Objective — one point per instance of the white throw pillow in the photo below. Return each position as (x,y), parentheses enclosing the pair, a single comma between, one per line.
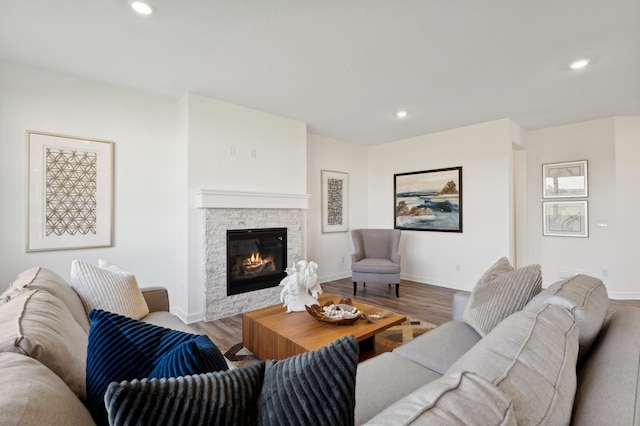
(105,264)
(109,289)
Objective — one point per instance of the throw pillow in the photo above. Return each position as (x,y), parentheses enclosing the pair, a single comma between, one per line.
(500,292)
(219,398)
(104,289)
(313,388)
(105,264)
(121,348)
(316,387)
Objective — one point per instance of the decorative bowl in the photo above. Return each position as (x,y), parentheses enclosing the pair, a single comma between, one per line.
(318,312)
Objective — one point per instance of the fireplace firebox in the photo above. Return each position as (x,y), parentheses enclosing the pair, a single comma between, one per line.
(256,259)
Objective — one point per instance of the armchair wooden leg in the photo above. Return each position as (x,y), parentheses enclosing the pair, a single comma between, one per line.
(355,288)
(397,290)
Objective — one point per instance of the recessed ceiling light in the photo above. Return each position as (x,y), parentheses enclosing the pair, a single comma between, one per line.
(401,114)
(579,64)
(141,7)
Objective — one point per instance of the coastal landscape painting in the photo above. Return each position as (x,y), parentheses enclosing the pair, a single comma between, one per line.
(429,200)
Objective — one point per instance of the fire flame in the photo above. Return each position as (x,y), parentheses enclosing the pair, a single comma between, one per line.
(257,264)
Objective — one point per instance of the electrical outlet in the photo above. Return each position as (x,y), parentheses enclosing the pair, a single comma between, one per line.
(457,267)
(342,259)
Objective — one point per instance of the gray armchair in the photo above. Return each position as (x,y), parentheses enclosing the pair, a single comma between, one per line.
(376,257)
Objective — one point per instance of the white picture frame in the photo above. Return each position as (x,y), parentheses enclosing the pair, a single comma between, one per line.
(69,192)
(335,201)
(565,218)
(565,180)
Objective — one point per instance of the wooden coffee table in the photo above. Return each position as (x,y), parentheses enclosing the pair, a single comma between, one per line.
(272,333)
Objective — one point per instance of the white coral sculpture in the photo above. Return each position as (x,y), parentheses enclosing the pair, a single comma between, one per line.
(301,286)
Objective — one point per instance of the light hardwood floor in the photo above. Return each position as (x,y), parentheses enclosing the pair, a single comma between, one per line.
(419,301)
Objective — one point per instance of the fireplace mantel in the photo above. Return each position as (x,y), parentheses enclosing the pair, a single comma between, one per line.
(216,199)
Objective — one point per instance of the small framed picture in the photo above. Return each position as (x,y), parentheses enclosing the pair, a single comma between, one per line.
(564,180)
(335,201)
(565,218)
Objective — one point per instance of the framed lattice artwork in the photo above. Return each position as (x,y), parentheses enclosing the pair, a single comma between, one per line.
(69,192)
(335,204)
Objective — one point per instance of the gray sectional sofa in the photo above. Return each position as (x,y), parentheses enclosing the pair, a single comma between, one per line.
(557,361)
(43,346)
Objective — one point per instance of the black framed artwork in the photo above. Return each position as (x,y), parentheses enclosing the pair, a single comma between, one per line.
(429,200)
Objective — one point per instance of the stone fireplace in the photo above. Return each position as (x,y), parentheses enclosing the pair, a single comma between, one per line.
(225,211)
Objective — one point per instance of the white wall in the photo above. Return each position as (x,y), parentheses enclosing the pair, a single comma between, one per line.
(626,234)
(165,149)
(611,147)
(231,147)
(143,129)
(592,141)
(332,251)
(451,259)
(280,145)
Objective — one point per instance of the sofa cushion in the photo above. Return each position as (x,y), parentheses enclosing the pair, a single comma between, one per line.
(121,348)
(39,325)
(38,278)
(500,292)
(384,379)
(531,356)
(608,380)
(104,289)
(585,297)
(462,398)
(32,394)
(219,398)
(312,388)
(440,347)
(375,266)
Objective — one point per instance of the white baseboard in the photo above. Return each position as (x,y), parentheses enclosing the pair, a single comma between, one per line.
(427,280)
(187,319)
(335,277)
(620,295)
(624,295)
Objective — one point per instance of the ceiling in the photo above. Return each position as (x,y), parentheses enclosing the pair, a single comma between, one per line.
(345,67)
